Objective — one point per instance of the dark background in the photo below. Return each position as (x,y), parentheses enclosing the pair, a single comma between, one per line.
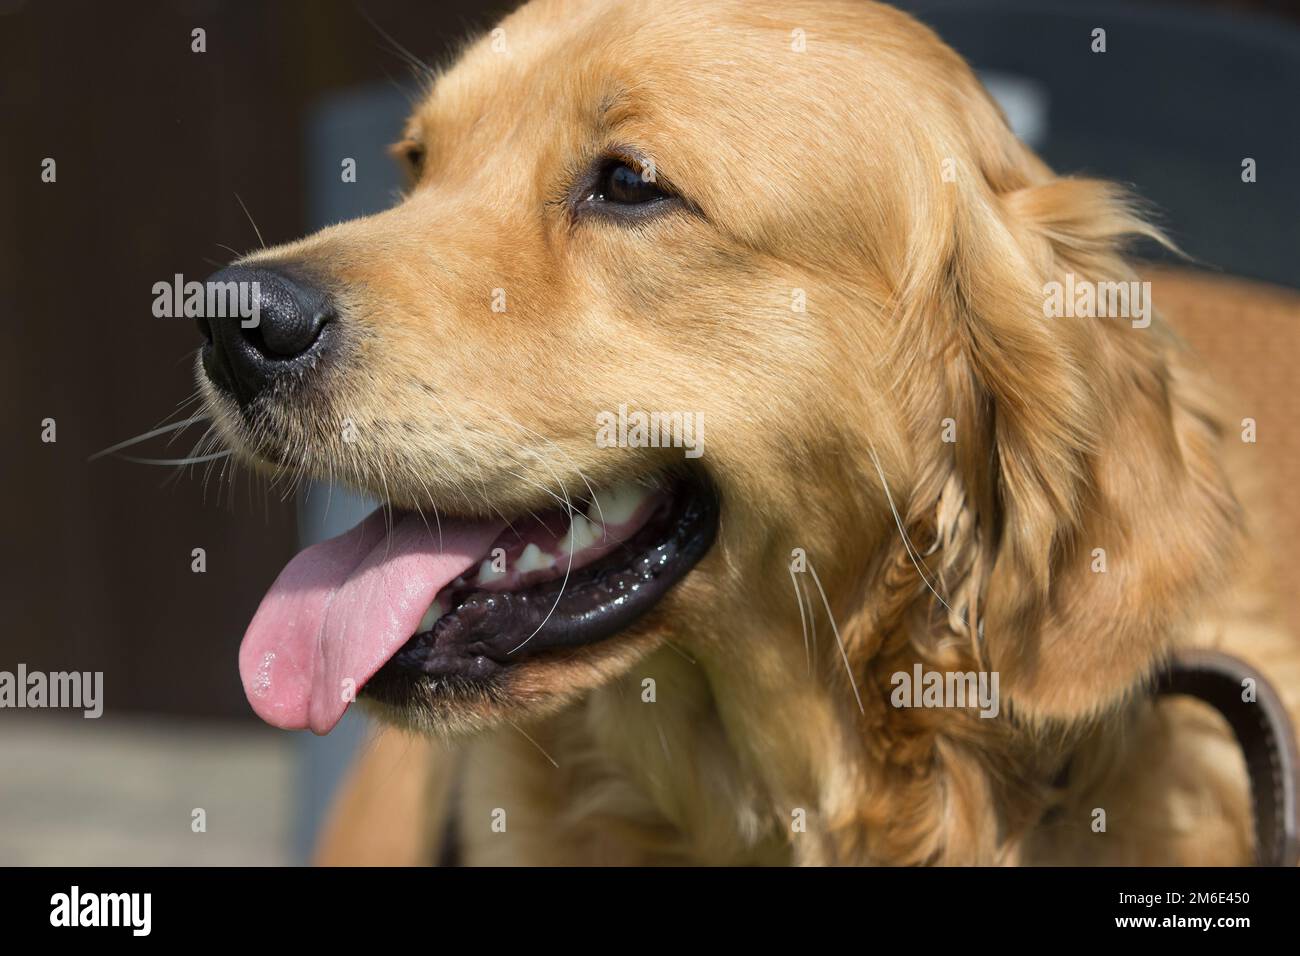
(153,142)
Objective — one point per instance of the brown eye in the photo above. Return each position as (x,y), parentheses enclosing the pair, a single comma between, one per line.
(411,155)
(618,188)
(414,155)
(620,183)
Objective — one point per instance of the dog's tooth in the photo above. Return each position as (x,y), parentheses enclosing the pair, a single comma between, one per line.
(580,535)
(430,617)
(487,574)
(533,558)
(617,504)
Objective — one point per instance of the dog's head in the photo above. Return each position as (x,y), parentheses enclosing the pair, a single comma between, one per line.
(700,320)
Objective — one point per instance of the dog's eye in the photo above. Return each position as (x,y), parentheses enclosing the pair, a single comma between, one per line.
(414,156)
(411,155)
(623,189)
(621,183)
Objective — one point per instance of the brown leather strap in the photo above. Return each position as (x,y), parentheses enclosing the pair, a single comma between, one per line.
(1264,732)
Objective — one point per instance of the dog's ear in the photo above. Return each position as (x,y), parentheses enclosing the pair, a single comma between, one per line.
(1077,499)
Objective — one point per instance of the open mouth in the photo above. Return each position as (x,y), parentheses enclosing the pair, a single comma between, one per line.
(386,607)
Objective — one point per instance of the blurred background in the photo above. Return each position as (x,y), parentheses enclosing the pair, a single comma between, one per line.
(165,160)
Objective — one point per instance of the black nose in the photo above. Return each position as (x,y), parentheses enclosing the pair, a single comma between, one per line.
(270,325)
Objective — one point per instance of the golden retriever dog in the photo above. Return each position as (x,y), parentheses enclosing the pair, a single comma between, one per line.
(708,375)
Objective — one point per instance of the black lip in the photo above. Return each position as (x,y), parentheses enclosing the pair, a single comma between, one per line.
(489,630)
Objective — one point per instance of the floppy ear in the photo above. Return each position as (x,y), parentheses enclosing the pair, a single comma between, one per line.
(1080,515)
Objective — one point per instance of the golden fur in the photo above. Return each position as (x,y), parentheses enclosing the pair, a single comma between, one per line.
(819,170)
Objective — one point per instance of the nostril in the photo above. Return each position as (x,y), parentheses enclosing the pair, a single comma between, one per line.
(291,316)
(287,334)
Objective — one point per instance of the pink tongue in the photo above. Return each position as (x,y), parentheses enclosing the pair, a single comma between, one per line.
(342,608)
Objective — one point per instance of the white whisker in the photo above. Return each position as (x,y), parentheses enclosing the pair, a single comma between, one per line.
(907,543)
(147,435)
(534,743)
(260,240)
(803,620)
(835,628)
(177,461)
